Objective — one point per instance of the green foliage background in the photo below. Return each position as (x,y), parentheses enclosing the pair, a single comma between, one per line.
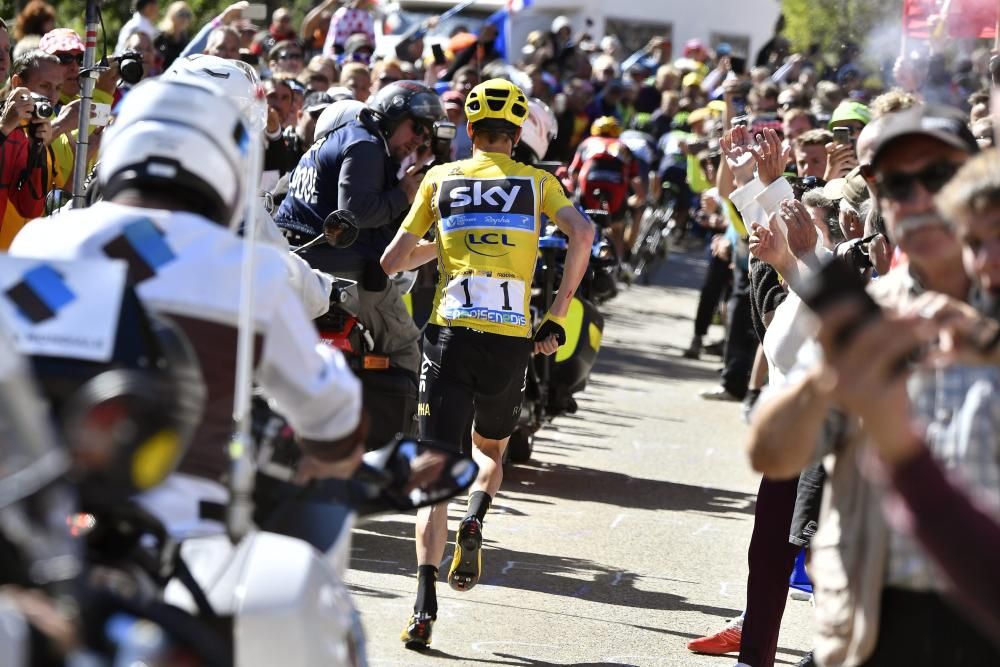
(830,23)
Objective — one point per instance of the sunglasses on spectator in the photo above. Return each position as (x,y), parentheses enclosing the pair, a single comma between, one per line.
(290,55)
(899,186)
(185,14)
(67,58)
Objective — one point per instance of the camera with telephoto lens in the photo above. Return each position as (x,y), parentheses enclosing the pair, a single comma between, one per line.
(855,253)
(130,66)
(43,107)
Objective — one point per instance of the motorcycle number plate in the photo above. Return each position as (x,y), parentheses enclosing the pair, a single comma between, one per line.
(497,298)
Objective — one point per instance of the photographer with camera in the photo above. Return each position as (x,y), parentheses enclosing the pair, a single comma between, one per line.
(355,167)
(26,169)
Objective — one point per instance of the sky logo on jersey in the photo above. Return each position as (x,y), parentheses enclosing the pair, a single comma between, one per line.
(487,203)
(41,294)
(142,246)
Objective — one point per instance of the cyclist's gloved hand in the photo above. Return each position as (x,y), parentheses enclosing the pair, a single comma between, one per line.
(552,325)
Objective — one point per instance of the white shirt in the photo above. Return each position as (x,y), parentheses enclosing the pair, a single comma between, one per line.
(138,23)
(306,381)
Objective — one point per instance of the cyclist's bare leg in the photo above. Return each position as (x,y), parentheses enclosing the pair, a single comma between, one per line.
(432,534)
(488,455)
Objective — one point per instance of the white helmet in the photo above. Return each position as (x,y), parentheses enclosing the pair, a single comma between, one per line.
(182,137)
(237,80)
(539,127)
(336,115)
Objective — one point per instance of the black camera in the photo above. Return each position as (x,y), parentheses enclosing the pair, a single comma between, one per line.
(130,66)
(43,107)
(855,253)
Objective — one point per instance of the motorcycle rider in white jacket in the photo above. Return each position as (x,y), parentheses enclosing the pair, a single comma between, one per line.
(171,171)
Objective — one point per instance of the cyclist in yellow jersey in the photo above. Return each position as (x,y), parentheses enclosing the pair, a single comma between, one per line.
(487,215)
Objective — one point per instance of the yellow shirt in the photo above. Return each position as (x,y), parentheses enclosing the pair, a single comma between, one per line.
(487,213)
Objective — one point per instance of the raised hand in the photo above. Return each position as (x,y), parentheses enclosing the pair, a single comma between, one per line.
(802,233)
(735,146)
(771,156)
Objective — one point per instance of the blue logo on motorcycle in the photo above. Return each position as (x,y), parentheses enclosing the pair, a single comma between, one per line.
(41,294)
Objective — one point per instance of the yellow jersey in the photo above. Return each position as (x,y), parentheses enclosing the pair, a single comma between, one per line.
(487,211)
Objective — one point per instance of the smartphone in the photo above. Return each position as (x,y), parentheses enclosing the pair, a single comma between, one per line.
(836,283)
(738,65)
(439,57)
(100,114)
(255,12)
(842,136)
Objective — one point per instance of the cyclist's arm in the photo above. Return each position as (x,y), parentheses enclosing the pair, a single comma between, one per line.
(580,232)
(407,252)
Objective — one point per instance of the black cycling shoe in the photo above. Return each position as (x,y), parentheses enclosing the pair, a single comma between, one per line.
(416,636)
(467,563)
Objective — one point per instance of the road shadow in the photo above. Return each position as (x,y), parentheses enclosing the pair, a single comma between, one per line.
(635,361)
(558,480)
(386,547)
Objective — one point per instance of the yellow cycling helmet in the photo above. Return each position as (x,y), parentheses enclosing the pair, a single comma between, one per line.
(496,99)
(605,126)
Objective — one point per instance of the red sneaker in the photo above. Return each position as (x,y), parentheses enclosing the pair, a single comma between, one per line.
(726,641)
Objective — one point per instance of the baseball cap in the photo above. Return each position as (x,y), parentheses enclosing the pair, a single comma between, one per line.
(693,45)
(560,22)
(453,99)
(850,110)
(60,40)
(855,188)
(316,101)
(692,79)
(945,124)
(356,42)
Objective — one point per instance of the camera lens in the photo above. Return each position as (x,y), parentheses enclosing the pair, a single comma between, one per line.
(43,109)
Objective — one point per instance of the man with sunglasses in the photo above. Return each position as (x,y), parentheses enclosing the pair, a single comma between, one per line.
(286,57)
(892,594)
(355,166)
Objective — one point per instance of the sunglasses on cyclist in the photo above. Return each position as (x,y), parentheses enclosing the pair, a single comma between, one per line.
(899,186)
(67,58)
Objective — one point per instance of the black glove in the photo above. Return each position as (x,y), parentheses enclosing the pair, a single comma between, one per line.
(551,326)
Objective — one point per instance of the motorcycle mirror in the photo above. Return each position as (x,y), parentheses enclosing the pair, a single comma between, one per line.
(55,200)
(413,473)
(341,228)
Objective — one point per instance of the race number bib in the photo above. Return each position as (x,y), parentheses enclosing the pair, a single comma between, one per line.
(490,297)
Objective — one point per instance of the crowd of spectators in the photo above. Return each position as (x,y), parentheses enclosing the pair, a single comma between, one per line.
(777,161)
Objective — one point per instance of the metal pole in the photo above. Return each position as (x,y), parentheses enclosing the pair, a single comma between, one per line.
(87,81)
(239,520)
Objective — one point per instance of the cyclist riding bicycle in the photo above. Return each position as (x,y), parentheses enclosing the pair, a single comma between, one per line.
(486,212)
(602,174)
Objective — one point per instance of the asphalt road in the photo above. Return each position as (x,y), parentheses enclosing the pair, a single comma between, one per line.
(623,538)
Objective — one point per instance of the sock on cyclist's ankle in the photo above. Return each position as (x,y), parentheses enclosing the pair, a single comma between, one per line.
(479,504)
(426,595)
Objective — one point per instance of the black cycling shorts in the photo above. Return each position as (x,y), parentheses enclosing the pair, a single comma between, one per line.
(467,373)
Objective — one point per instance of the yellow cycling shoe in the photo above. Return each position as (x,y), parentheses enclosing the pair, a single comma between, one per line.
(416,636)
(467,563)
